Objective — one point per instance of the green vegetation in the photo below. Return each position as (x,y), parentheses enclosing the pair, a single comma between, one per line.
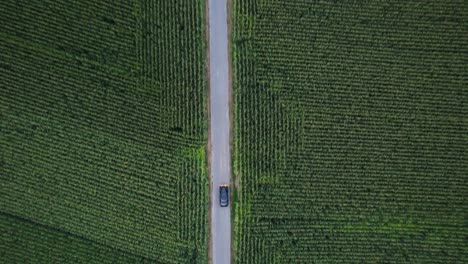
(103,132)
(351,131)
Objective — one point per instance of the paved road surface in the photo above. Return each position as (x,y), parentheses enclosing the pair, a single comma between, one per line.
(220,154)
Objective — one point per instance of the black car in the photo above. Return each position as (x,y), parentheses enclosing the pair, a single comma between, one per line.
(223,195)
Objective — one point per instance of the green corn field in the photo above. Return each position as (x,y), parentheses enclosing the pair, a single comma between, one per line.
(103,132)
(350,131)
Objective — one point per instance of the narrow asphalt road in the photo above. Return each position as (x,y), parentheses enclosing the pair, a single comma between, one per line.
(220,123)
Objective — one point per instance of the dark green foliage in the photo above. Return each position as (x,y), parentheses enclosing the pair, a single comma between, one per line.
(351,131)
(25,241)
(103,131)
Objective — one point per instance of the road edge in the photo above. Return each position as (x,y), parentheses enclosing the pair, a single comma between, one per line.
(208,111)
(229,10)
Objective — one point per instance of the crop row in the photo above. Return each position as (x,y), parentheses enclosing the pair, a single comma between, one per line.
(349,131)
(103,131)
